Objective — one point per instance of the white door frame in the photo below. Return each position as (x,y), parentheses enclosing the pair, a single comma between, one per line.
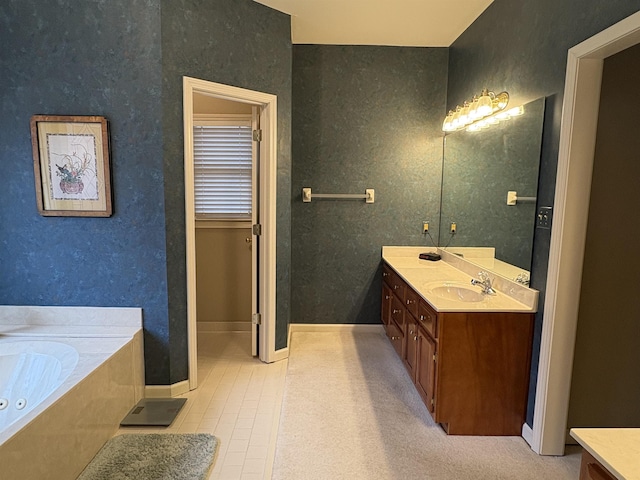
(267,244)
(568,235)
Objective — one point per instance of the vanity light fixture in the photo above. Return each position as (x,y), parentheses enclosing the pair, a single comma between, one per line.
(481,112)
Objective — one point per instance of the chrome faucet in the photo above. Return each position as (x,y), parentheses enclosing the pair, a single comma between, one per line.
(484,282)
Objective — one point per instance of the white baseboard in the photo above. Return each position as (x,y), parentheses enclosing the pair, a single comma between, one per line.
(334,327)
(166,391)
(527,434)
(208,327)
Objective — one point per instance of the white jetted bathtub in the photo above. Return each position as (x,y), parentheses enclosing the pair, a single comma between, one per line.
(68,375)
(30,370)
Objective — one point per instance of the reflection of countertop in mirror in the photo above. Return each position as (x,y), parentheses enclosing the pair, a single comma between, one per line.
(485,257)
(617,449)
(423,275)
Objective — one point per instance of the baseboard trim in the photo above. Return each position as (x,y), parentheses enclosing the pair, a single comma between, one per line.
(281,354)
(334,327)
(166,391)
(209,327)
(527,434)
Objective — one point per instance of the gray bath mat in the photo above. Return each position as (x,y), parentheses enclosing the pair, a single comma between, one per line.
(154,456)
(158,412)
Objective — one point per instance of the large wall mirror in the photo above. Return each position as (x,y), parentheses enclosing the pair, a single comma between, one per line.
(479,169)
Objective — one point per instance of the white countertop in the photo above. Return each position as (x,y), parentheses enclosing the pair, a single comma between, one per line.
(421,275)
(617,449)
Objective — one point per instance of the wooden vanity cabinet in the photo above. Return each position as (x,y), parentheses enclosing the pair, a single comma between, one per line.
(426,368)
(393,311)
(470,369)
(592,469)
(387,295)
(411,348)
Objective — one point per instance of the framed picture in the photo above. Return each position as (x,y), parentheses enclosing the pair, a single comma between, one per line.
(71,165)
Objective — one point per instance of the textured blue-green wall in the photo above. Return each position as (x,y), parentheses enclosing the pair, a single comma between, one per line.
(239,43)
(363,117)
(86,58)
(124,60)
(521,46)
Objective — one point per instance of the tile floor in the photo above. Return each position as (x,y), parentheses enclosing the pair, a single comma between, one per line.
(238,400)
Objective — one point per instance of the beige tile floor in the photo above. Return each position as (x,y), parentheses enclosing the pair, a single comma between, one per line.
(238,400)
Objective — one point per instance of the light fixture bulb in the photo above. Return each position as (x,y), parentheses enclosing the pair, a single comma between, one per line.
(473,107)
(484,104)
(464,114)
(455,121)
(446,126)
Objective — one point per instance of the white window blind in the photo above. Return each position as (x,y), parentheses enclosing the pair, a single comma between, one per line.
(222,167)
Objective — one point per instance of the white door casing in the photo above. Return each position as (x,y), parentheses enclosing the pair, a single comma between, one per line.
(266,280)
(568,234)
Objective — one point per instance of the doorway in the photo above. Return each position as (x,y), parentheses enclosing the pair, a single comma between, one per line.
(568,236)
(225,157)
(263,236)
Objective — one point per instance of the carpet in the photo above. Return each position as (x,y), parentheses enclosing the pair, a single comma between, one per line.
(154,456)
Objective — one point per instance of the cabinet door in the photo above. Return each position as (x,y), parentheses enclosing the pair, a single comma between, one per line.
(396,337)
(398,312)
(386,304)
(426,369)
(411,347)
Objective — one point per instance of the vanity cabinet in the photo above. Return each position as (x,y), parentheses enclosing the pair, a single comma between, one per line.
(471,369)
(592,469)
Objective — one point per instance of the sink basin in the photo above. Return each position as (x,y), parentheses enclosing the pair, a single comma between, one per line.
(457,291)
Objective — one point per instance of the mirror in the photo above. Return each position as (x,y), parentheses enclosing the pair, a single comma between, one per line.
(479,169)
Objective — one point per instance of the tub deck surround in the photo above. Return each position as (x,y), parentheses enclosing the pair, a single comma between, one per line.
(617,449)
(421,275)
(65,430)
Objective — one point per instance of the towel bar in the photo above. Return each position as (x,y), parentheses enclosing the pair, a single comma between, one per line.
(368,196)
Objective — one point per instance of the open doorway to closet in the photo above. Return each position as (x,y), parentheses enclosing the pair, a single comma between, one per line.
(217,248)
(225,154)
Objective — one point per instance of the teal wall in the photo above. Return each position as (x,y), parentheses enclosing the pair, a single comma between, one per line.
(363,117)
(521,47)
(124,59)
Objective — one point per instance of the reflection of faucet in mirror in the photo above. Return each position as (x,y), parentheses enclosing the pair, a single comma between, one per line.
(478,169)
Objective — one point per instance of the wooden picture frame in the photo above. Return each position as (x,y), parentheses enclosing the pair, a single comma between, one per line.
(71,165)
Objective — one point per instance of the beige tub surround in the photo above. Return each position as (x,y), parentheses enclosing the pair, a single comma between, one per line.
(64,431)
(616,449)
(424,275)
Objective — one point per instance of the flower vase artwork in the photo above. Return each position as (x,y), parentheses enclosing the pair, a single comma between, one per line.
(75,170)
(71,182)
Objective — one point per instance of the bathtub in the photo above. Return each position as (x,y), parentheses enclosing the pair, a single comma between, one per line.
(29,371)
(64,388)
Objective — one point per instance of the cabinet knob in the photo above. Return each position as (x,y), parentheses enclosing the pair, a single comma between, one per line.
(415,338)
(410,332)
(421,317)
(387,297)
(409,302)
(396,311)
(385,274)
(395,287)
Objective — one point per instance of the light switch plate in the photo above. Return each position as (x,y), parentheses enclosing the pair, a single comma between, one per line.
(544,217)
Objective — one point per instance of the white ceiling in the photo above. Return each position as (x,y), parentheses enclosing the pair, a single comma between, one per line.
(415,23)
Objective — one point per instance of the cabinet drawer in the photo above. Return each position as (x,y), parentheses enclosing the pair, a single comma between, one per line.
(387,296)
(412,301)
(398,286)
(592,469)
(428,319)
(397,338)
(398,312)
(387,274)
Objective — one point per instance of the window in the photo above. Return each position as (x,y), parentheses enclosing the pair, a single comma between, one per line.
(222,151)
